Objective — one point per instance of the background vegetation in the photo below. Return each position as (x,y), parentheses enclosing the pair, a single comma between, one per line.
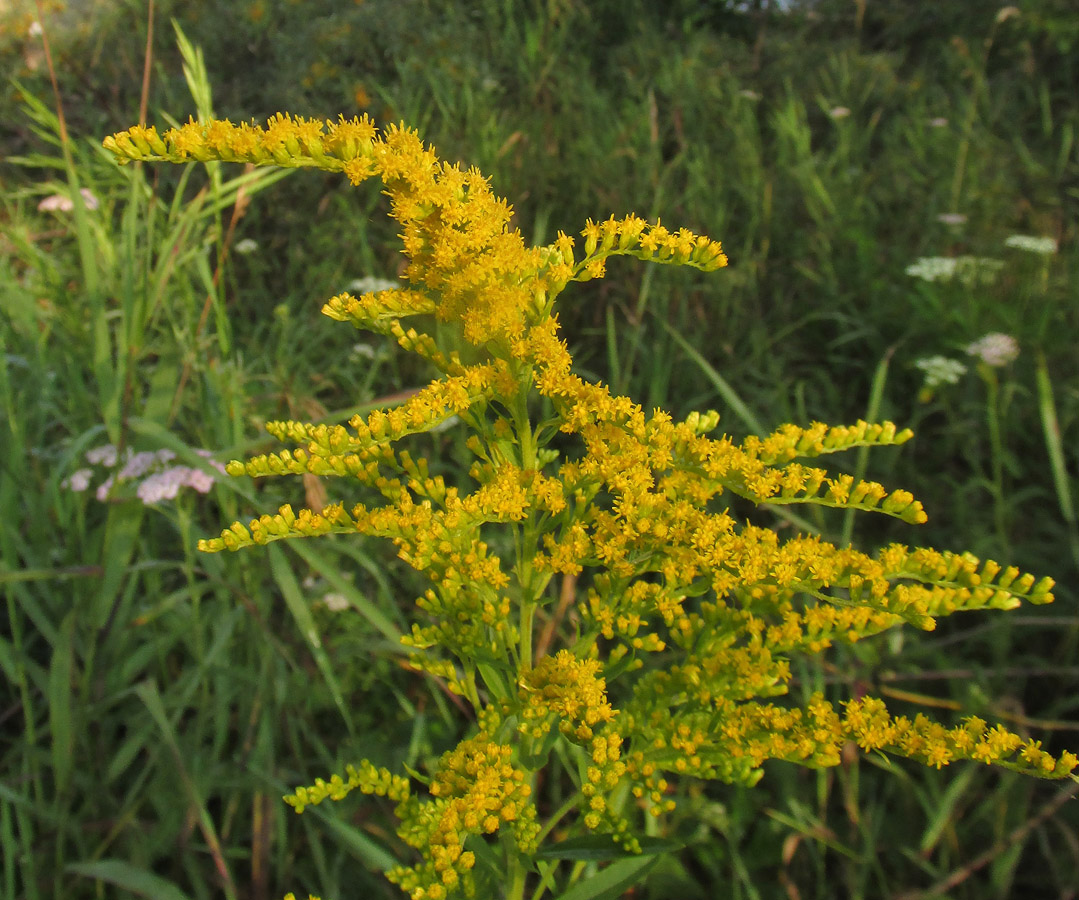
(155,704)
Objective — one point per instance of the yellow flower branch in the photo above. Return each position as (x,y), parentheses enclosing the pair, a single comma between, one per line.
(686,619)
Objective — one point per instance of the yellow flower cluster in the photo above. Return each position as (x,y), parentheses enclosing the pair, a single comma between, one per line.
(728,741)
(687,617)
(456,233)
(868,722)
(571,692)
(365,776)
(566,691)
(477,790)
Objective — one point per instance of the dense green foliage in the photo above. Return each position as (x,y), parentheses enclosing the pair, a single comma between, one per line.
(156,703)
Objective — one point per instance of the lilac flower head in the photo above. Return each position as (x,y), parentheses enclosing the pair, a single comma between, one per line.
(143,462)
(154,479)
(63,203)
(160,486)
(78,481)
(102,456)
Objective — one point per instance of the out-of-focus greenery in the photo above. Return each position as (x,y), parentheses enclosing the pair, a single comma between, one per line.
(155,704)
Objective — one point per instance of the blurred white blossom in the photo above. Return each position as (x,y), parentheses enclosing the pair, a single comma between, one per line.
(370,284)
(940,370)
(335,602)
(839,112)
(245,246)
(364,350)
(445,424)
(952,218)
(938,122)
(995,349)
(1046,246)
(933,268)
(968,270)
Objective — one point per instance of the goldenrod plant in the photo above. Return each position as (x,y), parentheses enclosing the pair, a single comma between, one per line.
(673,660)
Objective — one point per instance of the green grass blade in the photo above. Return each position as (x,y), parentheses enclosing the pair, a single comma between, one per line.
(122,529)
(370,611)
(612,881)
(876,395)
(1055,447)
(10,849)
(128,878)
(944,809)
(147,692)
(370,853)
(60,705)
(301,612)
(730,396)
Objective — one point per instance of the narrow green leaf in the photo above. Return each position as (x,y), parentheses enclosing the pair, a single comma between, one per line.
(60,705)
(129,878)
(198,81)
(600,848)
(944,809)
(49,574)
(722,386)
(122,529)
(614,364)
(370,853)
(301,612)
(147,692)
(370,611)
(876,397)
(10,850)
(1055,448)
(740,409)
(8,665)
(612,881)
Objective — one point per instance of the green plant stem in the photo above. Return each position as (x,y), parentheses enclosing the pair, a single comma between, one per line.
(470,686)
(528,611)
(526,536)
(992,412)
(517,875)
(572,803)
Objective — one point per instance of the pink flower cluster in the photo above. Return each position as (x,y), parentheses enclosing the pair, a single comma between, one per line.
(150,471)
(63,203)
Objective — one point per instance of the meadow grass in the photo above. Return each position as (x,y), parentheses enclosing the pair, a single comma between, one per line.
(157,703)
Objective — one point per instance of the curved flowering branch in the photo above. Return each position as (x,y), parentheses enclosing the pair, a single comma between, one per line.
(686,619)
